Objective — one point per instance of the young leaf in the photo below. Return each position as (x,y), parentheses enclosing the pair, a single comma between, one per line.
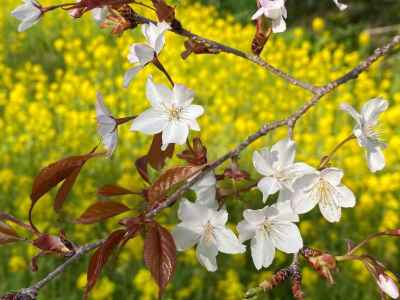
(100,258)
(7,234)
(164,11)
(51,243)
(166,181)
(156,157)
(113,190)
(100,211)
(65,169)
(160,254)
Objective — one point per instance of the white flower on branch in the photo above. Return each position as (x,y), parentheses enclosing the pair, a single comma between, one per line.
(29,13)
(366,131)
(142,54)
(278,167)
(206,190)
(172,113)
(323,188)
(274,10)
(106,126)
(341,6)
(270,228)
(205,227)
(388,286)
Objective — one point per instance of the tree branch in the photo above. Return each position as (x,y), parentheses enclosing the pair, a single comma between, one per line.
(219,47)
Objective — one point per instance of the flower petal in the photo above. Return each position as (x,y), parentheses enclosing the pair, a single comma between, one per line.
(330,210)
(151,121)
(184,237)
(286,237)
(278,25)
(352,112)
(206,253)
(227,242)
(304,202)
(376,159)
(286,150)
(262,250)
(158,94)
(174,133)
(182,95)
(192,112)
(130,74)
(373,108)
(268,186)
(246,230)
(346,197)
(192,212)
(258,13)
(140,53)
(262,161)
(332,175)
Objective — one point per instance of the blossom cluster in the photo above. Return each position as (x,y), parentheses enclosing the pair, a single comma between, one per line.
(300,186)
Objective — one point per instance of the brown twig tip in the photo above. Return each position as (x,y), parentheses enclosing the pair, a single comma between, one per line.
(295,278)
(276,279)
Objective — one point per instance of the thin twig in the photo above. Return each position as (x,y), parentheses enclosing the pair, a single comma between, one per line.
(227,49)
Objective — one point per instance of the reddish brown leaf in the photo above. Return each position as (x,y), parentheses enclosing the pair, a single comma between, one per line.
(51,243)
(8,234)
(65,188)
(113,190)
(164,11)
(100,258)
(141,166)
(156,157)
(261,36)
(65,169)
(192,46)
(160,254)
(100,211)
(166,181)
(7,217)
(196,154)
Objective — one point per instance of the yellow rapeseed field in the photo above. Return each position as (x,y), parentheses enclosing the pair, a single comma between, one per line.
(49,77)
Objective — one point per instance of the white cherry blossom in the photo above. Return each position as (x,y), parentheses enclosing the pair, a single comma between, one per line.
(388,286)
(340,5)
(270,228)
(106,126)
(205,227)
(29,13)
(278,167)
(325,189)
(206,190)
(367,133)
(142,54)
(172,113)
(274,10)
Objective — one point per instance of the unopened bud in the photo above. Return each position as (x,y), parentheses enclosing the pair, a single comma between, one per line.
(388,286)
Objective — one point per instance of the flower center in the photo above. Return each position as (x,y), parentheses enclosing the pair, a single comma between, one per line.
(208,233)
(174,112)
(324,191)
(267,226)
(372,132)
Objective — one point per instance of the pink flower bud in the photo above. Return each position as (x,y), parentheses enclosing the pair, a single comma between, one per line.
(388,286)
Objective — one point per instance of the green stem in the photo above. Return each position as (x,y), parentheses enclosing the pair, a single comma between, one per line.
(326,159)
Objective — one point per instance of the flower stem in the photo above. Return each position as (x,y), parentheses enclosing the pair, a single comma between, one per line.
(326,159)
(159,66)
